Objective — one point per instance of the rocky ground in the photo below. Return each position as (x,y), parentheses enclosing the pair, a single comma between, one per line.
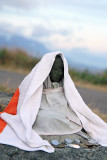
(62,153)
(12,153)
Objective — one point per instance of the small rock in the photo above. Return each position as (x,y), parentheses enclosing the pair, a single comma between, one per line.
(73,146)
(86,149)
(55,142)
(12,152)
(67,140)
(62,145)
(77,141)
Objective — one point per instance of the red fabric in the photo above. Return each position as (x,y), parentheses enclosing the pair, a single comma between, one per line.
(11,109)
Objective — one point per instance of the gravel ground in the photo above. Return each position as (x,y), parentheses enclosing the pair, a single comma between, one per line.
(94,98)
(13,153)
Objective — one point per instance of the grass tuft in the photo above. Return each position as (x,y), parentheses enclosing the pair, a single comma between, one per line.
(17,58)
(6,89)
(2,107)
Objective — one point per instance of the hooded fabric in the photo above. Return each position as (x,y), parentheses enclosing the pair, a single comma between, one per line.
(19,116)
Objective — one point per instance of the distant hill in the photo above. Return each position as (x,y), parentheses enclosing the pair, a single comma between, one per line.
(81,67)
(82,58)
(35,48)
(38,49)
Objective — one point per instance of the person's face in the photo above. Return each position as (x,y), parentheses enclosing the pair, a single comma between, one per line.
(57,71)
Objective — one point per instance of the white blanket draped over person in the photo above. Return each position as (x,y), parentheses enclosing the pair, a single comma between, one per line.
(19,132)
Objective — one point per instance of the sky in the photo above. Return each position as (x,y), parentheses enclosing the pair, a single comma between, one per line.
(64,25)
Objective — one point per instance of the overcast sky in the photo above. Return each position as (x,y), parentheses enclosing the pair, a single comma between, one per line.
(59,24)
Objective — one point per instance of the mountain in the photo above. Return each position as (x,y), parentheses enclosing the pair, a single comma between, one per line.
(34,48)
(78,58)
(82,58)
(82,67)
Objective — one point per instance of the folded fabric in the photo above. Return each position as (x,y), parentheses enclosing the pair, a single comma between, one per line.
(19,116)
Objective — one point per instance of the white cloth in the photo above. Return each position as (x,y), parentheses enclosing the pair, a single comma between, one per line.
(54,116)
(19,130)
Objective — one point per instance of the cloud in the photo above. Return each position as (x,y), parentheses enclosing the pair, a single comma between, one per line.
(18,4)
(43,31)
(22,4)
(6,27)
(30,4)
(54,25)
(9,29)
(52,37)
(86,3)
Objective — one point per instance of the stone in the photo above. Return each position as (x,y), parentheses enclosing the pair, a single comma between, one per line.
(67,140)
(57,71)
(54,142)
(77,141)
(73,146)
(61,145)
(12,152)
